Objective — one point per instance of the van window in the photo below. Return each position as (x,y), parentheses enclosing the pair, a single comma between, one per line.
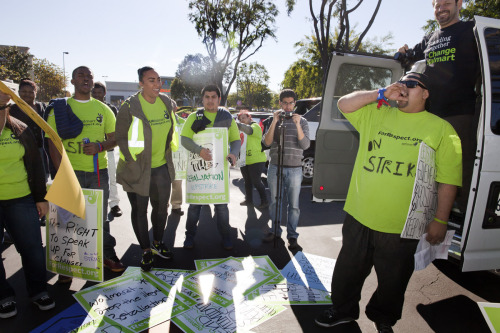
(492,37)
(358,77)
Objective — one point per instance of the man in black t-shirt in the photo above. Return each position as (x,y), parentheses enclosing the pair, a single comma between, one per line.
(452,64)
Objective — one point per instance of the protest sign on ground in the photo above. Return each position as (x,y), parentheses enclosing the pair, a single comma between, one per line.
(135,302)
(74,245)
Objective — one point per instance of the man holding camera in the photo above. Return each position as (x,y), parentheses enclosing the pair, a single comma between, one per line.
(452,61)
(296,140)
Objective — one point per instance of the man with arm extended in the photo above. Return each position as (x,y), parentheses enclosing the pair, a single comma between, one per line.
(380,194)
(452,61)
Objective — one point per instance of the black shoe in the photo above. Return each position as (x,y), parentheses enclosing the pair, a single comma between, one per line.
(147,261)
(246,203)
(161,250)
(177,211)
(227,244)
(116,211)
(383,328)
(114,264)
(45,303)
(292,244)
(8,309)
(330,318)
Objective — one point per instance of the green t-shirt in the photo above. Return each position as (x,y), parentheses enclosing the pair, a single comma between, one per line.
(233,132)
(384,173)
(98,120)
(13,175)
(254,147)
(160,122)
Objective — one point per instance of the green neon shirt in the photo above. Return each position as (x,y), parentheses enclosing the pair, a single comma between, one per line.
(384,172)
(160,122)
(13,175)
(254,147)
(98,120)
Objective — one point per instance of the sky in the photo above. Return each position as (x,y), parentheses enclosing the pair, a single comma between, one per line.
(116,37)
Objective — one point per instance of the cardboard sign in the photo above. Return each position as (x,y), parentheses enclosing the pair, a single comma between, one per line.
(423,204)
(74,245)
(207,182)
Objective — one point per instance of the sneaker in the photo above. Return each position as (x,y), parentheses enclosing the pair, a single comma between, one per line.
(147,261)
(116,211)
(268,238)
(246,203)
(8,309)
(383,328)
(263,205)
(330,318)
(45,303)
(114,264)
(64,279)
(292,244)
(161,250)
(227,244)
(177,211)
(189,242)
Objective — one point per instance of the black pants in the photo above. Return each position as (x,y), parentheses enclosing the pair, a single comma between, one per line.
(393,260)
(252,177)
(159,194)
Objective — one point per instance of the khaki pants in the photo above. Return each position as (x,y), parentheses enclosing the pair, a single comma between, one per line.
(176,198)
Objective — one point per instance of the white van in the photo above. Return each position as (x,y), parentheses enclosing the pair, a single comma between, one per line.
(477,238)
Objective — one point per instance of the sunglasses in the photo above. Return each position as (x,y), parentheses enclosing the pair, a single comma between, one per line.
(413,84)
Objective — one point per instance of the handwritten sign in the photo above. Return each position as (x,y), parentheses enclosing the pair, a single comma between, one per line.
(424,198)
(134,302)
(74,245)
(491,313)
(242,158)
(212,317)
(180,157)
(280,291)
(263,262)
(310,270)
(225,281)
(207,182)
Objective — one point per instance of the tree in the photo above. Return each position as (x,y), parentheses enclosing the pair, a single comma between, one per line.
(252,81)
(237,27)
(305,75)
(192,74)
(14,64)
(322,23)
(49,79)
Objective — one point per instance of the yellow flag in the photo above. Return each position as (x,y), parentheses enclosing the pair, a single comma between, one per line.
(65,190)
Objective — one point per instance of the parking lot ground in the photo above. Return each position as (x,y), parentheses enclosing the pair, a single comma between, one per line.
(438,299)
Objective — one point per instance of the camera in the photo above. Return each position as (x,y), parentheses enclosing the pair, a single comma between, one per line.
(286,115)
(406,59)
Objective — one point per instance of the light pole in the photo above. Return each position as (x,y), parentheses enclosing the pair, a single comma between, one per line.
(64,72)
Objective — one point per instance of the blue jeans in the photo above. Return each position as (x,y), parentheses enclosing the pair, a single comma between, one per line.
(89,180)
(20,218)
(221,216)
(292,180)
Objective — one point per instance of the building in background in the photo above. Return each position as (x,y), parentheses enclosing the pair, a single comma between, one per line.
(117,92)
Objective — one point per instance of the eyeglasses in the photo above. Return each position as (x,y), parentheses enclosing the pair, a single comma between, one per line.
(413,84)
(286,103)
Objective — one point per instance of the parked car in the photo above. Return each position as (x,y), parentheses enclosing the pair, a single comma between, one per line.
(476,243)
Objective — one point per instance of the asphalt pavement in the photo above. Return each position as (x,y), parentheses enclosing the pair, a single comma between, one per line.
(438,299)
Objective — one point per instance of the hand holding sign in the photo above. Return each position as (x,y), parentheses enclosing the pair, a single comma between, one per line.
(206,154)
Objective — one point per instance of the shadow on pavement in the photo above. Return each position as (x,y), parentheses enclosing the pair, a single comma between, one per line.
(462,315)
